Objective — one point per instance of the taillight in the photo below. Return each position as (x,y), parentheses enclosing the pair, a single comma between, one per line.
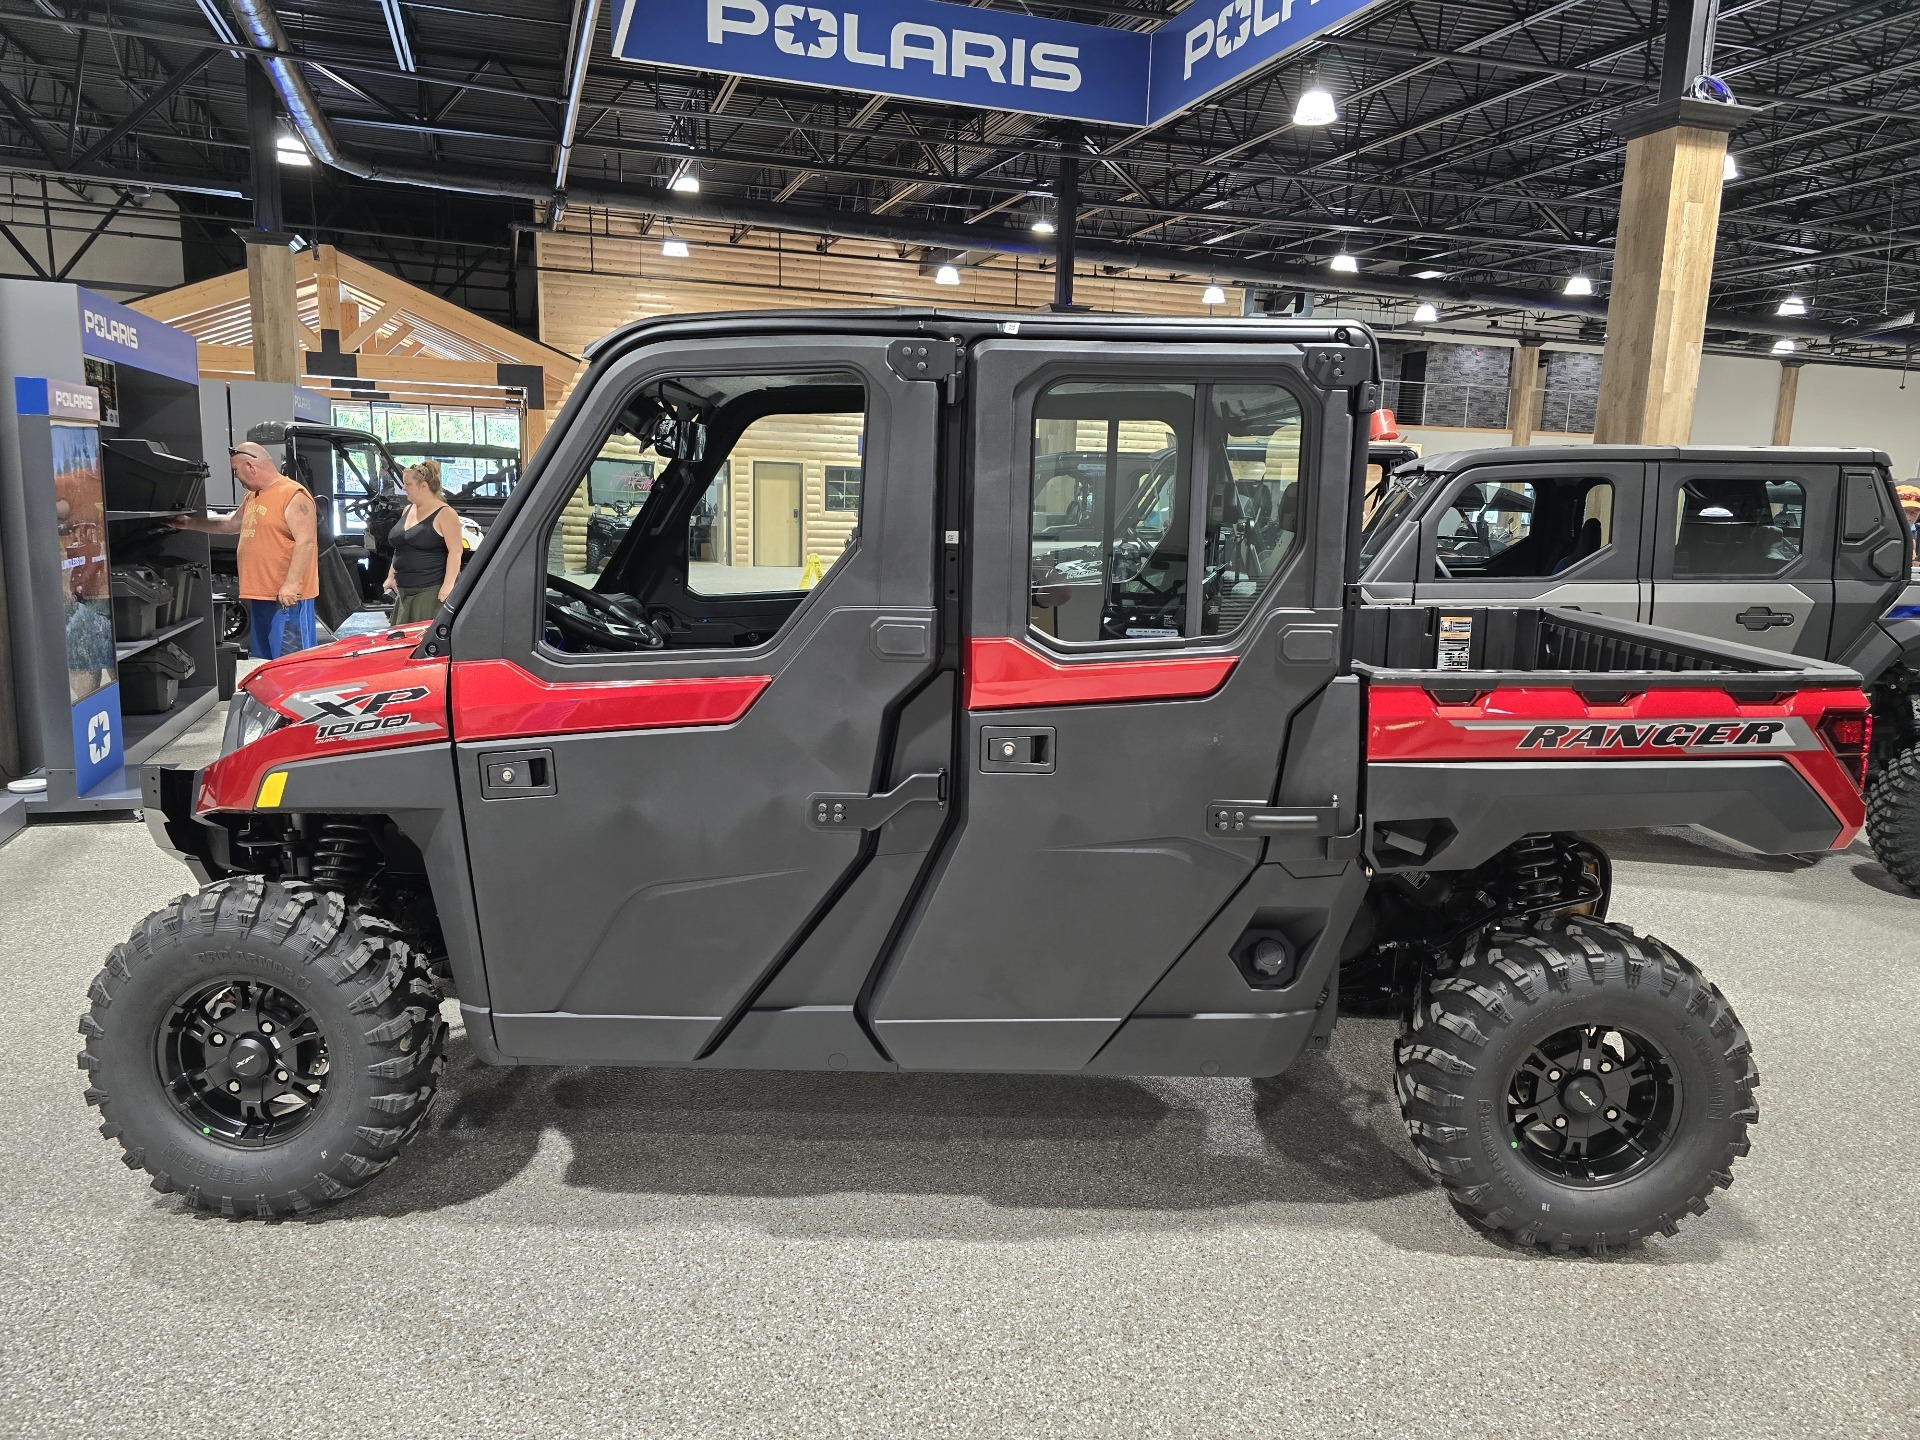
(1848,733)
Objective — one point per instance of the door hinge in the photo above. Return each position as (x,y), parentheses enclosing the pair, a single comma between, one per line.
(828,811)
(923,359)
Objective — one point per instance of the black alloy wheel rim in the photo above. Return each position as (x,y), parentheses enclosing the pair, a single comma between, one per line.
(243,1062)
(1592,1105)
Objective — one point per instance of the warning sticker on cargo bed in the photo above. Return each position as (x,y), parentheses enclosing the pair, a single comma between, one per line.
(1456,643)
(1788,734)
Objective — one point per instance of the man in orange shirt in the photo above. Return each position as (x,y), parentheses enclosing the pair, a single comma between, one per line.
(279,553)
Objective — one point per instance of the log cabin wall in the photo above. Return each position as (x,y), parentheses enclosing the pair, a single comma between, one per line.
(599,271)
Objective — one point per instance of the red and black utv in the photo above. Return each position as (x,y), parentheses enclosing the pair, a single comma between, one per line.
(932,756)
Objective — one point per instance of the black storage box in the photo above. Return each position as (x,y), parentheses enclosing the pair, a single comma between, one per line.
(150,681)
(142,476)
(140,596)
(181,577)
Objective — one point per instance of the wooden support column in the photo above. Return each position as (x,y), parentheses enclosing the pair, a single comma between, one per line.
(270,282)
(1523,391)
(1784,402)
(326,289)
(1663,253)
(1662,267)
(276,323)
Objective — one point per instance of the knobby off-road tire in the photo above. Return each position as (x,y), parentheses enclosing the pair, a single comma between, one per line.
(1893,818)
(354,1005)
(1567,999)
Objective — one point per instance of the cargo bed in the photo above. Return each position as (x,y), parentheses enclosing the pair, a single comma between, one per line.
(1484,725)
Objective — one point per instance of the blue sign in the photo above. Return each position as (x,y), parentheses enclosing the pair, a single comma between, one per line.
(110,331)
(1202,49)
(61,399)
(97,750)
(993,59)
(918,49)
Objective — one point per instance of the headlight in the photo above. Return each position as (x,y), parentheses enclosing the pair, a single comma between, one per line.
(247,721)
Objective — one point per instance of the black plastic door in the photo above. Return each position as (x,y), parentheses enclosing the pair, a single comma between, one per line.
(1552,533)
(1106,708)
(1744,551)
(643,864)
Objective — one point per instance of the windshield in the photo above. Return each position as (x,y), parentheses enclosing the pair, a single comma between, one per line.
(1402,498)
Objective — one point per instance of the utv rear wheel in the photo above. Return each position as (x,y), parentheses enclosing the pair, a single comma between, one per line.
(1576,1087)
(1893,817)
(261,1049)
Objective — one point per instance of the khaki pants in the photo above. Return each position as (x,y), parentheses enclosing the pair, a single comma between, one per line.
(410,607)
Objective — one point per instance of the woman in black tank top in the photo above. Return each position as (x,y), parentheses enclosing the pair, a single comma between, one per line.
(426,548)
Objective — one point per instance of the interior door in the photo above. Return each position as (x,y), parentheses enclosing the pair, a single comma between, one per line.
(776,512)
(1537,534)
(654,832)
(1187,489)
(1744,552)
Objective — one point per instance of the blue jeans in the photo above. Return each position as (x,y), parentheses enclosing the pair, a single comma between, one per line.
(278,630)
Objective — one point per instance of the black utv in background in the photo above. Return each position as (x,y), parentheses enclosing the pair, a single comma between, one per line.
(1802,551)
(1087,754)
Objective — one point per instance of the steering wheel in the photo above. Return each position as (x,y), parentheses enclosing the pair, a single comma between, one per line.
(1441,566)
(622,628)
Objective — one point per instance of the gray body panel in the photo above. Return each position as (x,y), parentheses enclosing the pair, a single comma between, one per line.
(1761,805)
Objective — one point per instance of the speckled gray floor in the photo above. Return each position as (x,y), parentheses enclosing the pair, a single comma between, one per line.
(657,1253)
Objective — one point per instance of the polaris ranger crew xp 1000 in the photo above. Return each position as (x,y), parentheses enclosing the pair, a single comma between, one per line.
(1083,754)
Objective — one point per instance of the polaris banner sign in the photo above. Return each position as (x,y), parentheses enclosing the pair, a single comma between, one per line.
(992,59)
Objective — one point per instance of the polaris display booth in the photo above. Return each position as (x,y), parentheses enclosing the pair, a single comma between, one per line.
(107,628)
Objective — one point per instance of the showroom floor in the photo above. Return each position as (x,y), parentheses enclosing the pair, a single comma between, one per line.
(666,1253)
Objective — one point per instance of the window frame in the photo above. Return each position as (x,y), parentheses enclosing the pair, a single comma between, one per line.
(827,482)
(1536,475)
(1206,429)
(875,417)
(1670,539)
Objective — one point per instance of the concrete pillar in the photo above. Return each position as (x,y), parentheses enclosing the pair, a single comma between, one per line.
(1784,402)
(1662,267)
(270,292)
(1523,391)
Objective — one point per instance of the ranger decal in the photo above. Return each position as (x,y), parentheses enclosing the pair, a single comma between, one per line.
(1790,733)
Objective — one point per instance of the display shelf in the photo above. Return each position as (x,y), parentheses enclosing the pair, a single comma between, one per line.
(143,735)
(133,647)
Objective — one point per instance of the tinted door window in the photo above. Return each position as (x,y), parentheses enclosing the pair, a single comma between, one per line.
(1737,527)
(1524,529)
(1130,478)
(666,470)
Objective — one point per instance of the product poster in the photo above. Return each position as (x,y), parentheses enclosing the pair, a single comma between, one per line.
(79,507)
(104,376)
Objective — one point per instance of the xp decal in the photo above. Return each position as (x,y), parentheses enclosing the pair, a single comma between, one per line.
(343,714)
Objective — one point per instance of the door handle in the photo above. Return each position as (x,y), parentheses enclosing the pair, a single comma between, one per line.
(514,774)
(1759,617)
(1016,749)
(828,811)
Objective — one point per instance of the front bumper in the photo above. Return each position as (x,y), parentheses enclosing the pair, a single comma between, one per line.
(167,794)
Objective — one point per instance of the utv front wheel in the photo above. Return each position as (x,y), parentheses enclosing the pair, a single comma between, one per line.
(260,1048)
(1576,1087)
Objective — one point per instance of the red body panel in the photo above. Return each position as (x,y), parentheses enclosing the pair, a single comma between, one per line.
(1003,674)
(362,693)
(1540,724)
(497,700)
